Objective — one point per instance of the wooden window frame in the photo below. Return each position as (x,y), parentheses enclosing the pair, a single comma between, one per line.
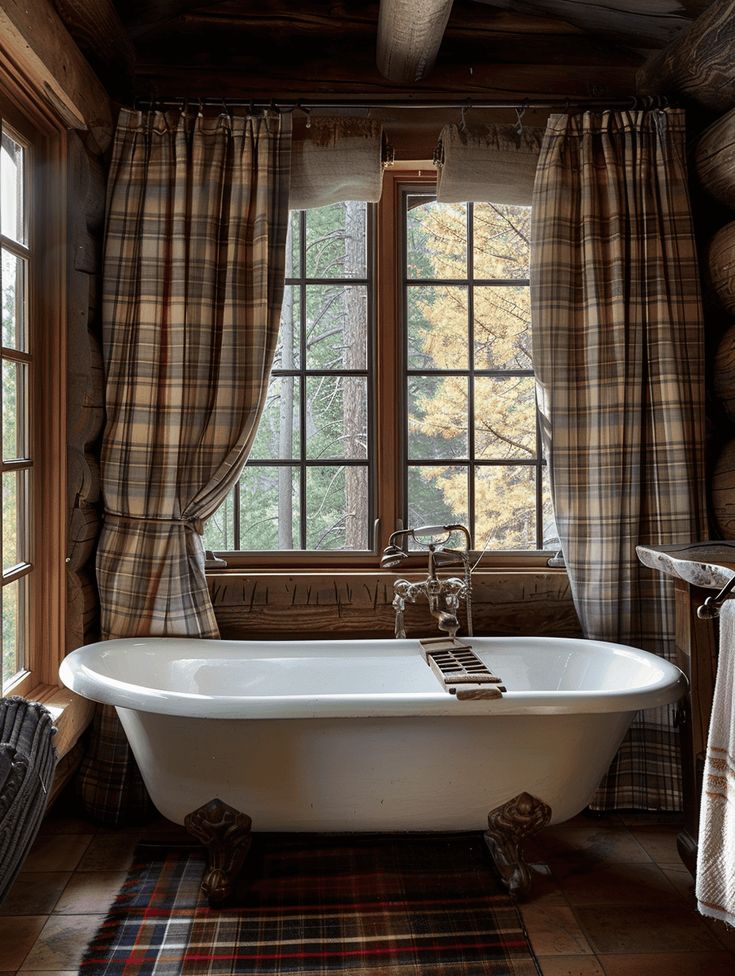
(388,460)
(29,115)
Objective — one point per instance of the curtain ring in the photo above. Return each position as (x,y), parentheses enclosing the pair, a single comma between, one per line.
(462,112)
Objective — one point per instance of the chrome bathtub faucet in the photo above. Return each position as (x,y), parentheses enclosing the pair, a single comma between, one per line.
(443,595)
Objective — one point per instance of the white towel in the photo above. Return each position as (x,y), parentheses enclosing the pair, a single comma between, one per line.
(716,857)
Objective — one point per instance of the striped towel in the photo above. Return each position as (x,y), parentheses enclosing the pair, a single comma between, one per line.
(716,859)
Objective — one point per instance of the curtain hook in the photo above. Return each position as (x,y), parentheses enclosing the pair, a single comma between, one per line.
(462,112)
(307,113)
(520,112)
(200,109)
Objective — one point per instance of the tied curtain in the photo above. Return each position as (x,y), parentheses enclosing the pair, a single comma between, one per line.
(618,355)
(194,264)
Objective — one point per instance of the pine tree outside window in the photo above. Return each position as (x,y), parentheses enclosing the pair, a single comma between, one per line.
(402,390)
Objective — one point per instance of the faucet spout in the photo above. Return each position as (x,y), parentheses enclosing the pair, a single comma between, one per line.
(443,595)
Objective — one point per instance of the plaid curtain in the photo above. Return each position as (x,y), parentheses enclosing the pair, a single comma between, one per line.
(194,267)
(618,354)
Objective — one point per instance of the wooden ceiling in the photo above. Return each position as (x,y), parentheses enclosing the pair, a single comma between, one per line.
(280,48)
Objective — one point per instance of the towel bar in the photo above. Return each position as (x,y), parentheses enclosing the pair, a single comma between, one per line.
(713,604)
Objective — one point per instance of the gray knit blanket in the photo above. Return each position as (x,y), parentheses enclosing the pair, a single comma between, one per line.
(27,762)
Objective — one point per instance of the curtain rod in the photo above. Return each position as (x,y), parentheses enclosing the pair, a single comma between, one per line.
(633,102)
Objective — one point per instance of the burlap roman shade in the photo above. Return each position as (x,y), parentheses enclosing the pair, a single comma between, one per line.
(487,163)
(337,159)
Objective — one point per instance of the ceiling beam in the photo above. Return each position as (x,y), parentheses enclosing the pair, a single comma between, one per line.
(96,27)
(35,41)
(409,35)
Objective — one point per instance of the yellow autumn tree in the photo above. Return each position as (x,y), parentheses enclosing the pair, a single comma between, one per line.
(504,403)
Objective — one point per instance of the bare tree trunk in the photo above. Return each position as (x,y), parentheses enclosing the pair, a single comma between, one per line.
(354,405)
(285,437)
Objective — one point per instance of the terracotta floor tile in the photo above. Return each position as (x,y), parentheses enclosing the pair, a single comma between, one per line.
(637,818)
(603,844)
(643,928)
(669,964)
(62,942)
(17,935)
(56,852)
(90,892)
(570,966)
(725,935)
(589,883)
(67,824)
(544,887)
(658,842)
(681,879)
(110,852)
(554,931)
(35,893)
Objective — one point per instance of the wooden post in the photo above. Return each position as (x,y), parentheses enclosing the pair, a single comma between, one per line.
(696,655)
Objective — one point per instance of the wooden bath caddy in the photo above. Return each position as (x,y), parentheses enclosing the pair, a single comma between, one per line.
(459,670)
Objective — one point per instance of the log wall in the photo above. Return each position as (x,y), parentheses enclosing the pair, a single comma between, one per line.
(85,411)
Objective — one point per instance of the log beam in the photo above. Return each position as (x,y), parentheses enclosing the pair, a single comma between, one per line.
(96,27)
(409,35)
(698,66)
(36,43)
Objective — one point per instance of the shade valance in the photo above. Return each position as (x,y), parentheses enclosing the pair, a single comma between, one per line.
(490,163)
(337,159)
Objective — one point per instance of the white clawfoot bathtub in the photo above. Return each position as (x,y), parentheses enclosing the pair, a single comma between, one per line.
(360,735)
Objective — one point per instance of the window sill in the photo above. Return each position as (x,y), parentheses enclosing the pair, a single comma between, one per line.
(71,714)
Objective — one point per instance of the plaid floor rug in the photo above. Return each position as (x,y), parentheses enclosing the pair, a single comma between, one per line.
(316,905)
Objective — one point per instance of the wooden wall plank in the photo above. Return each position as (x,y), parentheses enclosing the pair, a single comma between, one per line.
(313,605)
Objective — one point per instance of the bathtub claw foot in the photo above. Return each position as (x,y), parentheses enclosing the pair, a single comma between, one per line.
(226,834)
(508,827)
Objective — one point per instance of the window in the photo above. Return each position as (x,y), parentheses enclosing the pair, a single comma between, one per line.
(32,516)
(17,365)
(402,390)
(471,429)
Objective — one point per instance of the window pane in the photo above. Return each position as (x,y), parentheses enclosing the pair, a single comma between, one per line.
(336,241)
(505,507)
(501,240)
(13,278)
(278,431)
(505,417)
(15,443)
(13,600)
(337,507)
(436,236)
(12,203)
(502,334)
(336,417)
(336,327)
(437,494)
(293,245)
(269,508)
(550,532)
(437,417)
(288,350)
(437,327)
(14,516)
(219,530)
